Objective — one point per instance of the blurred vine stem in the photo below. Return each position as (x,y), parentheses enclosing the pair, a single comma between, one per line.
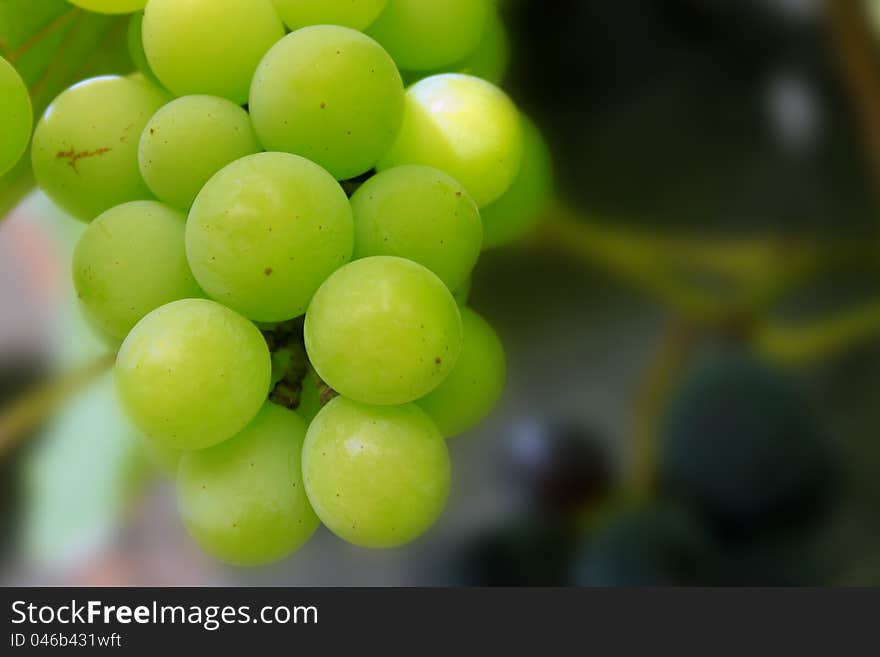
(34,407)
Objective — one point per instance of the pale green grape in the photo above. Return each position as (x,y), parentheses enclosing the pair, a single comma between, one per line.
(16,116)
(330,94)
(188,141)
(520,208)
(383,330)
(209,46)
(464,126)
(85,147)
(129,261)
(356,14)
(473,387)
(423,35)
(192,373)
(110,6)
(489,61)
(266,231)
(136,47)
(377,476)
(422,214)
(243,501)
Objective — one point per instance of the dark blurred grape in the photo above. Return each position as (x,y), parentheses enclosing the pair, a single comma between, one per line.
(654,545)
(524,553)
(787,561)
(561,466)
(741,443)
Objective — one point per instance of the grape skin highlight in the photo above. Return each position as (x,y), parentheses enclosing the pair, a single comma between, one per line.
(428,35)
(472,389)
(464,126)
(188,141)
(243,501)
(422,214)
(16,116)
(356,14)
(128,262)
(266,231)
(376,476)
(192,374)
(209,46)
(330,94)
(519,210)
(84,151)
(383,330)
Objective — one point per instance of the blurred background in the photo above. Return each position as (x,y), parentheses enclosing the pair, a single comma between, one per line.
(692,332)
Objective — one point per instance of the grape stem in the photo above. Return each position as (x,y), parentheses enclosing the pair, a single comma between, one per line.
(36,405)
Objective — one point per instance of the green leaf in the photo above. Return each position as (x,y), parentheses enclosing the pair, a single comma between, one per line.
(53,45)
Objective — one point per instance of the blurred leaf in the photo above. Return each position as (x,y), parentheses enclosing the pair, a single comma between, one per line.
(80,479)
(53,45)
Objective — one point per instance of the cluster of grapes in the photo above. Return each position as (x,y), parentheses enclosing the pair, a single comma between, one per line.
(281,238)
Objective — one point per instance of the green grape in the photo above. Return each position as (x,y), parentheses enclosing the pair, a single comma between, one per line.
(128,262)
(85,147)
(462,293)
(518,211)
(473,387)
(110,6)
(424,35)
(356,14)
(383,330)
(136,47)
(192,373)
(464,126)
(266,231)
(243,501)
(209,46)
(330,94)
(377,476)
(188,141)
(422,214)
(16,116)
(489,61)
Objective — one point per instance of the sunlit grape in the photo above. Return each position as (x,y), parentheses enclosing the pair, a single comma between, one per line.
(464,126)
(16,116)
(356,14)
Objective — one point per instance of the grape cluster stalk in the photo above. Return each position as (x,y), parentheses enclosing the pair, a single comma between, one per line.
(280,242)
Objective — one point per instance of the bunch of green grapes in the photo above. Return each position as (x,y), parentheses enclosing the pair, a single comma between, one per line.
(281,240)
